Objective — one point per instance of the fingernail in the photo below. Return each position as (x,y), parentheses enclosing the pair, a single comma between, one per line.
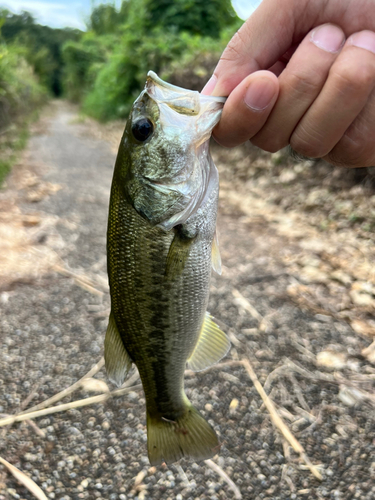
(259,94)
(210,85)
(328,37)
(363,40)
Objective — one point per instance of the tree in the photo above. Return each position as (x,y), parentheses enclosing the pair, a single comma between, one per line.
(104,19)
(202,17)
(40,45)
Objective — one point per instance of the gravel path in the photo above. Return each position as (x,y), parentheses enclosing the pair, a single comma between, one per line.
(52,324)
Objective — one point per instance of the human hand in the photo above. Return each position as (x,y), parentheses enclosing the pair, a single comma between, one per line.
(302,73)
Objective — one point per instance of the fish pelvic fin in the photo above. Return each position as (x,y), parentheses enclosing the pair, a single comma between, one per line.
(117,359)
(190,436)
(212,345)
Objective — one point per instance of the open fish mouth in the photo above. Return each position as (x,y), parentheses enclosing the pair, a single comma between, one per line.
(182,100)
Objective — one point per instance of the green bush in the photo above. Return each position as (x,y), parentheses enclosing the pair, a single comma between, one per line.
(41,45)
(20,96)
(20,91)
(180,40)
(181,58)
(204,18)
(82,61)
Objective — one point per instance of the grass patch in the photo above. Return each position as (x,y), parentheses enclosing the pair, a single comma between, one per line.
(5,167)
(12,141)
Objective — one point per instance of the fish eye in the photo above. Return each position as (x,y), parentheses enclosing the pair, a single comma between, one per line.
(142,129)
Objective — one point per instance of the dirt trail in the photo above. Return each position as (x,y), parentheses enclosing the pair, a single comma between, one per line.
(297,299)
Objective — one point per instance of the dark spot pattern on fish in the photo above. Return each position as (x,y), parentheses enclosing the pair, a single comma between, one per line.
(159,290)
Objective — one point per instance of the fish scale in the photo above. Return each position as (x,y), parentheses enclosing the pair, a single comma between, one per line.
(159,270)
(178,311)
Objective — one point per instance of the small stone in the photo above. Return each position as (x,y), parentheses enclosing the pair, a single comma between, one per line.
(312,274)
(369,352)
(74,431)
(331,359)
(323,318)
(84,483)
(341,277)
(350,396)
(361,299)
(233,405)
(366,328)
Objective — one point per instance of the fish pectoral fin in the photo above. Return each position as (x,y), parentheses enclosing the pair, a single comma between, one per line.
(212,345)
(215,255)
(117,359)
(177,256)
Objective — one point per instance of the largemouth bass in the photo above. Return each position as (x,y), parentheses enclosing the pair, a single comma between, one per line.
(161,246)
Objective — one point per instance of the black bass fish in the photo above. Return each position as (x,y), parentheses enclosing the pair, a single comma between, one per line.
(161,245)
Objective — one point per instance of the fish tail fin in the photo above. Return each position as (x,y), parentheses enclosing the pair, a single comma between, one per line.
(189,436)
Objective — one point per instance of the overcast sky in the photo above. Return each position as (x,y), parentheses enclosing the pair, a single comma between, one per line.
(73,13)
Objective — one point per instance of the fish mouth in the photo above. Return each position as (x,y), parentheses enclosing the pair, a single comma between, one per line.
(169,86)
(183,101)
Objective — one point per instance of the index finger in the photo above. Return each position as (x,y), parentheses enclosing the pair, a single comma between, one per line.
(263,39)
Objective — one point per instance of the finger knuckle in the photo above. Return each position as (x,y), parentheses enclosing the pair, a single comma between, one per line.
(233,49)
(268,142)
(307,142)
(353,78)
(304,83)
(351,153)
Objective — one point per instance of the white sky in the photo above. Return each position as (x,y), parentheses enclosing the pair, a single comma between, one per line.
(245,7)
(55,13)
(72,13)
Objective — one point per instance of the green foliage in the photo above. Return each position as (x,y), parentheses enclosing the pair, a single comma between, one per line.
(20,91)
(82,61)
(10,143)
(105,67)
(181,40)
(20,95)
(119,82)
(5,166)
(104,18)
(41,46)
(202,17)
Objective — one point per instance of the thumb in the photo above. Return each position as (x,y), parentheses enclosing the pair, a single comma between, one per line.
(261,41)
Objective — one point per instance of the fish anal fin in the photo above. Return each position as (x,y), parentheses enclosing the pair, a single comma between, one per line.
(117,359)
(212,345)
(189,436)
(177,256)
(215,255)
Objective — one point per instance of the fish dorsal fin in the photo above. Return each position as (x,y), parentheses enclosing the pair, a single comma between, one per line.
(212,345)
(215,255)
(117,359)
(177,256)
